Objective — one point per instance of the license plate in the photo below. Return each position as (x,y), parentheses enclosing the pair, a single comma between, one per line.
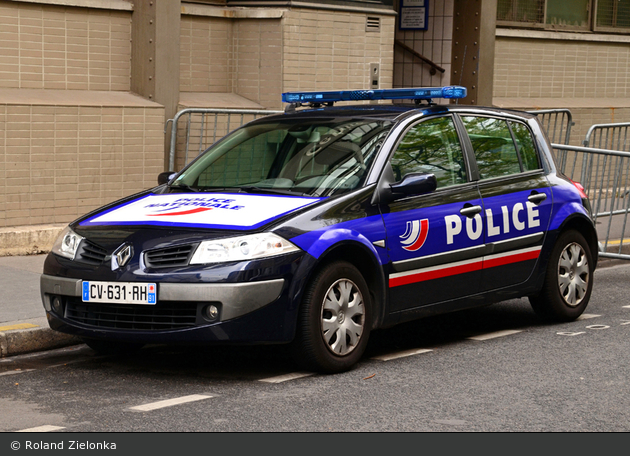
(120,292)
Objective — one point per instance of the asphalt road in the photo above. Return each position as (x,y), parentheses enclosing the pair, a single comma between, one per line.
(497,369)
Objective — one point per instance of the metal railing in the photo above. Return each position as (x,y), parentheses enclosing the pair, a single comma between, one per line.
(202,128)
(604,174)
(613,136)
(557,124)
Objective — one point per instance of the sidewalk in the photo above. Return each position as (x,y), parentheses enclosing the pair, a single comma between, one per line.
(23,324)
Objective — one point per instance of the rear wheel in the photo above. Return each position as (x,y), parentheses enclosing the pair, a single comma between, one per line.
(108,347)
(334,323)
(568,281)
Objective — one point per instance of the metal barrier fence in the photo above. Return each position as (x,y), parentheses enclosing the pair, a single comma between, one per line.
(604,174)
(202,128)
(557,124)
(609,136)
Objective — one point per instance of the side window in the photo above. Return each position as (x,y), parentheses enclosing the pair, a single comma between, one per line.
(494,148)
(525,145)
(433,147)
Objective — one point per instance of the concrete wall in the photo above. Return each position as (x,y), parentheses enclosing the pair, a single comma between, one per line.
(585,73)
(332,50)
(72,137)
(56,47)
(63,154)
(539,67)
(258,60)
(206,59)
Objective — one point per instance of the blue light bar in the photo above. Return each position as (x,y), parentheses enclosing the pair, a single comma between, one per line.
(422,93)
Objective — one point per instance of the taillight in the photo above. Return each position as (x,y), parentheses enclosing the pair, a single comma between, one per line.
(580,189)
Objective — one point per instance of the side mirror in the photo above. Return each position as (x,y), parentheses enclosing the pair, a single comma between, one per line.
(414,184)
(164,177)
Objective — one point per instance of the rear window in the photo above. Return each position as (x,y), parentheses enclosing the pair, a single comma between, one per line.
(501,148)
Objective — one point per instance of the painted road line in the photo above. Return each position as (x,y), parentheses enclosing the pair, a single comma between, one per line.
(286,377)
(494,335)
(570,333)
(597,327)
(170,402)
(626,307)
(402,354)
(587,316)
(20,371)
(18,326)
(625,322)
(618,241)
(47,428)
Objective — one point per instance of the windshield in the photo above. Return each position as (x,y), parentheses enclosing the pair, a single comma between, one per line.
(315,157)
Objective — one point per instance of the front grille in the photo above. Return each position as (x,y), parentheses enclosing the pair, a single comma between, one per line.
(91,253)
(170,257)
(162,316)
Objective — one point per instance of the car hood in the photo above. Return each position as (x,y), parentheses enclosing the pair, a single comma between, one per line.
(210,211)
(151,220)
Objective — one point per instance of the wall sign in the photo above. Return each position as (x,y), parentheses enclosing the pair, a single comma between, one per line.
(414,15)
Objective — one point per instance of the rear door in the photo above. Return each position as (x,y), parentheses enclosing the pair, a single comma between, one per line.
(435,241)
(516,195)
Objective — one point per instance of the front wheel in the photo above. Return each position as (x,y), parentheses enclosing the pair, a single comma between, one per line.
(568,281)
(334,322)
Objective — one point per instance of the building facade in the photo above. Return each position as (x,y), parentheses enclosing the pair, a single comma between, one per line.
(86,86)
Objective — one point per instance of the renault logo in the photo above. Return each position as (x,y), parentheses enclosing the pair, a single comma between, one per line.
(122,256)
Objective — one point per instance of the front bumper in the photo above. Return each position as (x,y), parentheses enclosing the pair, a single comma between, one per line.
(248,312)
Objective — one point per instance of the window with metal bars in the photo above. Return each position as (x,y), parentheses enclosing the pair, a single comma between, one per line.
(578,15)
(613,14)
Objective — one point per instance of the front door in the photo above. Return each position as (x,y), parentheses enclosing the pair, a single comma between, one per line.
(435,241)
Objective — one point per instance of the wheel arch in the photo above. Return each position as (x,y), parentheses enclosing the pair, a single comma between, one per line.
(577,221)
(585,227)
(363,259)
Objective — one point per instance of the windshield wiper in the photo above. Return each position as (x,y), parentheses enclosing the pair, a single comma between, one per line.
(254,189)
(184,187)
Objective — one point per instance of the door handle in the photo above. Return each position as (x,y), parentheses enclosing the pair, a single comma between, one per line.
(537,198)
(470,211)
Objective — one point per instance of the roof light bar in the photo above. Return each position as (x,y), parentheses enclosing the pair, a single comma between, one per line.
(421,93)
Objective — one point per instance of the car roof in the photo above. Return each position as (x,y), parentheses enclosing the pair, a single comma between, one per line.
(391,112)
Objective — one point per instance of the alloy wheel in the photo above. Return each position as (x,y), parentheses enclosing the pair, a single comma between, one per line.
(573,274)
(343,317)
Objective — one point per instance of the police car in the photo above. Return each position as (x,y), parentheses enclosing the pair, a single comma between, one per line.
(319,225)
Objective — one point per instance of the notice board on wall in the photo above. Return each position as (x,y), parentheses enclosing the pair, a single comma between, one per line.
(414,15)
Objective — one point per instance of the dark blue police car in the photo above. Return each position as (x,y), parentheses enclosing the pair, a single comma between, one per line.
(317,226)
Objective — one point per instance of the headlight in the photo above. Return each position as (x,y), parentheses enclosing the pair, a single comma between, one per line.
(241,248)
(67,243)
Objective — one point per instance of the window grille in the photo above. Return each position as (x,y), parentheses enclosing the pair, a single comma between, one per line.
(579,15)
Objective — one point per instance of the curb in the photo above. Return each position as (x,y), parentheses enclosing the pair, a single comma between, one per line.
(28,240)
(21,341)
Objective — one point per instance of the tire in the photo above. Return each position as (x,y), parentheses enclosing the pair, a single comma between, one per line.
(568,280)
(334,320)
(107,347)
